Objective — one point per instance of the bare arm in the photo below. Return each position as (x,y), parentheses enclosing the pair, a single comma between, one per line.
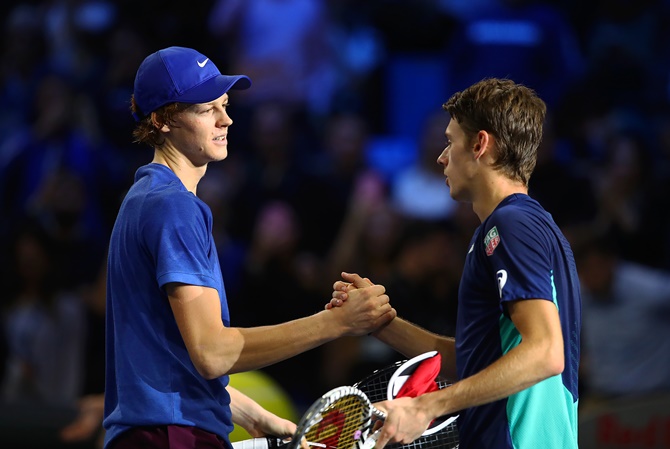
(412,340)
(537,357)
(403,336)
(256,420)
(217,350)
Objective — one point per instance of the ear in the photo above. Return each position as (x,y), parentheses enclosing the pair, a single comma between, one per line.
(483,144)
(163,127)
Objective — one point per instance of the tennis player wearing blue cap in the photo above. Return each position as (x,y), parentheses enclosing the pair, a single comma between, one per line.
(169,342)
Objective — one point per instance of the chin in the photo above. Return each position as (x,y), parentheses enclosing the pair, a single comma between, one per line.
(221,154)
(455,195)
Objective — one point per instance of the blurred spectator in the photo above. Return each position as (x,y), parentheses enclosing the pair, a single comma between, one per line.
(418,190)
(282,45)
(528,41)
(558,179)
(45,326)
(365,244)
(219,189)
(419,28)
(359,52)
(281,282)
(60,171)
(659,194)
(626,311)
(465,9)
(75,31)
(271,162)
(368,232)
(330,177)
(425,269)
(622,188)
(23,55)
(125,50)
(623,45)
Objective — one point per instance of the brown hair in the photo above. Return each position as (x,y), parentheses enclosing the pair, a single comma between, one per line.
(512,113)
(146,131)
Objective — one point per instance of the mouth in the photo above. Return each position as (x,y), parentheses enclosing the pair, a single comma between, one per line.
(220,138)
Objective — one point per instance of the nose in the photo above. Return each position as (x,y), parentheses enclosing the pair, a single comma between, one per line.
(443,158)
(224,119)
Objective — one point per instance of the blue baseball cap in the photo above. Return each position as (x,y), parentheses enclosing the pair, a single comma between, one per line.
(179,74)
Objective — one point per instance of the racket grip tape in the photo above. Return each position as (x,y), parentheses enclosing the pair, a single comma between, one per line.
(260,443)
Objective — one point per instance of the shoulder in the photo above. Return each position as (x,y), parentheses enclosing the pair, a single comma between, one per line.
(521,222)
(508,215)
(520,212)
(173,208)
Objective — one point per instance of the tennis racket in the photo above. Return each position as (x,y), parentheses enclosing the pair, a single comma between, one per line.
(340,419)
(384,384)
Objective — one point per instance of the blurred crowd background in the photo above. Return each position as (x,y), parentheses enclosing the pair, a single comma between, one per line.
(332,167)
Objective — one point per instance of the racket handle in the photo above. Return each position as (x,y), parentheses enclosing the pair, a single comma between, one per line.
(370,441)
(260,443)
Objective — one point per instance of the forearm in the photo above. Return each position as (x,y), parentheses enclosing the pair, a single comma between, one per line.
(243,349)
(217,350)
(521,368)
(256,420)
(264,346)
(411,340)
(245,411)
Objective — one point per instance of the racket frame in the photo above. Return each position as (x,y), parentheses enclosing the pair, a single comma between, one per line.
(315,414)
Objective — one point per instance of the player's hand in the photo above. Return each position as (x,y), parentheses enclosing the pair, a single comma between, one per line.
(273,425)
(366,309)
(341,289)
(366,304)
(405,421)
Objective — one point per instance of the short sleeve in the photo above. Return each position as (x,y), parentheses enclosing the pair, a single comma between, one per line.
(178,235)
(519,253)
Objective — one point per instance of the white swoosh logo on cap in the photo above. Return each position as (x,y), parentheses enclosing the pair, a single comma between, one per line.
(202,64)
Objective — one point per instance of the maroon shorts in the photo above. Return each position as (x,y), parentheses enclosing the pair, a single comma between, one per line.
(167,437)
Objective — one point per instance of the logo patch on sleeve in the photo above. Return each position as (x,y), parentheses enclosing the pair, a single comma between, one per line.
(491,241)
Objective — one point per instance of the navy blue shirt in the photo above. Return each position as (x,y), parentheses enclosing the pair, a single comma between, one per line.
(518,253)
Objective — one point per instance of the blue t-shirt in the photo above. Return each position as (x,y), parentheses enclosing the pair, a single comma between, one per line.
(163,234)
(518,253)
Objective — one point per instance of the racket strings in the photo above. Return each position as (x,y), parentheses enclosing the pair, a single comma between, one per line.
(342,424)
(375,387)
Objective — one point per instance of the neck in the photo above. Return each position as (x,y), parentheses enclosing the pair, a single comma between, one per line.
(493,193)
(187,173)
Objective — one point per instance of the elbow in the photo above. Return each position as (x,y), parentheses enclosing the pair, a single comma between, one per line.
(206,370)
(553,361)
(207,373)
(208,366)
(214,356)
(555,366)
